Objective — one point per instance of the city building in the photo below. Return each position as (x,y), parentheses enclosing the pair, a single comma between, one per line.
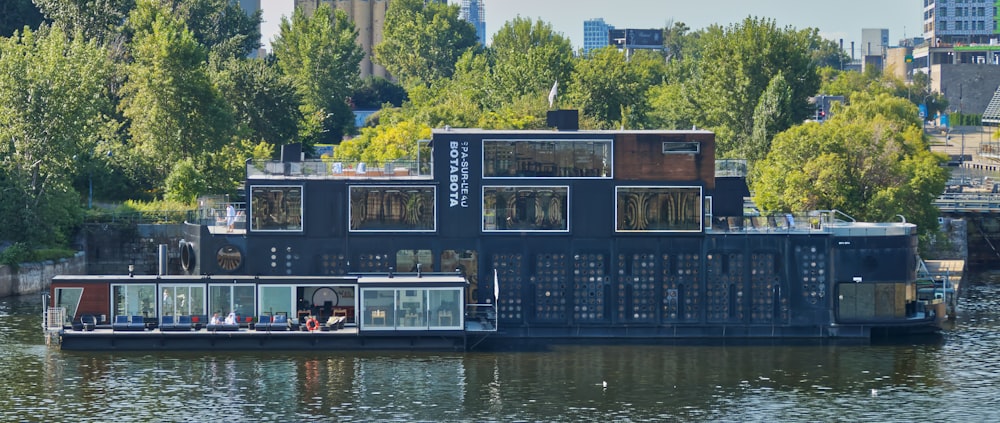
(595,34)
(874,46)
(474,11)
(251,7)
(963,22)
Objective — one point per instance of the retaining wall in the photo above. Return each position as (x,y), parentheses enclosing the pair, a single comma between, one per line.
(32,278)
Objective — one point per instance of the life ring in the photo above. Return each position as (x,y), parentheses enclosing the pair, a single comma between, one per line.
(312,324)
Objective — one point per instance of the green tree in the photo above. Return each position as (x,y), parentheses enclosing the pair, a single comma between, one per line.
(423,40)
(17,14)
(54,114)
(221,25)
(264,104)
(95,19)
(318,53)
(735,68)
(606,84)
(184,183)
(174,109)
(770,116)
(375,91)
(526,58)
(870,161)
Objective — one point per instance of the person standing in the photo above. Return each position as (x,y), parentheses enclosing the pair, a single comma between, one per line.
(230,218)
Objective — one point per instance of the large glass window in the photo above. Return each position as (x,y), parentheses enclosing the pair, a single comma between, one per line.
(388,208)
(178,300)
(134,300)
(658,209)
(275,208)
(236,298)
(414,309)
(547,159)
(277,300)
(445,308)
(69,298)
(525,209)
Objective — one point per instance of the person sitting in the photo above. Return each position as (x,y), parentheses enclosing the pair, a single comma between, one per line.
(215,319)
(231,318)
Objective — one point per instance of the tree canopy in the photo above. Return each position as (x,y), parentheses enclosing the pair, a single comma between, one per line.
(423,40)
(870,161)
(320,57)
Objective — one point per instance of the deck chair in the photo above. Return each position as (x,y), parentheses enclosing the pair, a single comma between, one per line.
(120,323)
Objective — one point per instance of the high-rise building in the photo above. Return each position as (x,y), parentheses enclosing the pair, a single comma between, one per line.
(874,47)
(251,7)
(962,22)
(595,34)
(474,11)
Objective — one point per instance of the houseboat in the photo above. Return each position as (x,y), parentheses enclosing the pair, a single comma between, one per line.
(555,234)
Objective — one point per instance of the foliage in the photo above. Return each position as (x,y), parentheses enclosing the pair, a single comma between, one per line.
(264,103)
(607,83)
(175,110)
(965,119)
(870,161)
(375,91)
(383,144)
(54,108)
(319,55)
(184,183)
(16,254)
(222,26)
(736,66)
(95,19)
(526,58)
(423,40)
(15,15)
(770,116)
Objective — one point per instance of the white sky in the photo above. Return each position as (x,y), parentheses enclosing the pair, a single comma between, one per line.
(835,19)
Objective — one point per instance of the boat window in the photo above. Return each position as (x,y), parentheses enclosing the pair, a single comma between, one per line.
(69,298)
(236,298)
(547,159)
(411,309)
(392,208)
(182,300)
(275,208)
(133,300)
(277,300)
(658,209)
(525,208)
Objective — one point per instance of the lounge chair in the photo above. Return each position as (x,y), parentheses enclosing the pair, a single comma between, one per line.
(182,324)
(120,323)
(137,323)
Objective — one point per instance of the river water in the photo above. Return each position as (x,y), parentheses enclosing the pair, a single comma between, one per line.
(949,378)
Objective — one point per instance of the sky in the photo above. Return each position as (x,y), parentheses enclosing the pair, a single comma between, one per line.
(835,19)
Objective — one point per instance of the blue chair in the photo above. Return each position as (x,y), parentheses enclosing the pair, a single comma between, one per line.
(120,323)
(137,323)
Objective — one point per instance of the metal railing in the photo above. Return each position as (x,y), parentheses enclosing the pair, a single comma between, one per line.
(968,202)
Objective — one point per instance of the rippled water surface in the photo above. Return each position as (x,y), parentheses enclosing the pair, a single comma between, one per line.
(952,378)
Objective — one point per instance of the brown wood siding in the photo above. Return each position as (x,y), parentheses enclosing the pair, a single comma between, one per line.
(96,298)
(639,157)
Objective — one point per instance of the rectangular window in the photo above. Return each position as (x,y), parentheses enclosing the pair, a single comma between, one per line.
(134,300)
(182,300)
(526,208)
(393,209)
(276,208)
(658,209)
(547,159)
(236,298)
(276,300)
(681,147)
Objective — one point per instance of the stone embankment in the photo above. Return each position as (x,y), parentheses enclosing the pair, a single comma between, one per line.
(32,278)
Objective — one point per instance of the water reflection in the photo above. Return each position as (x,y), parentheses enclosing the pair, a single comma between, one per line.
(954,377)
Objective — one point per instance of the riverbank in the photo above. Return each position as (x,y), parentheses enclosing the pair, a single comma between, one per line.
(32,278)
